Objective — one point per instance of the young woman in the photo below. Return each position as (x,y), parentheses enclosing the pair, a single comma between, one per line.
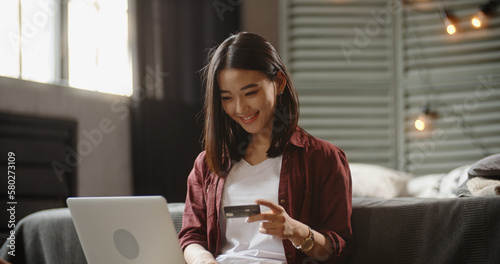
(256,153)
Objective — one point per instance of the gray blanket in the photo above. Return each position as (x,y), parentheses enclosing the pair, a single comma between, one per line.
(45,237)
(400,230)
(423,230)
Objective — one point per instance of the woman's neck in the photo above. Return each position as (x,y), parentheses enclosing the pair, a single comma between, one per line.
(256,151)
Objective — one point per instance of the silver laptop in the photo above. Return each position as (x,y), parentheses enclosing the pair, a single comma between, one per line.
(125,229)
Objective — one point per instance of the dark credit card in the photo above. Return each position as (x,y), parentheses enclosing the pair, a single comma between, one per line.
(241,210)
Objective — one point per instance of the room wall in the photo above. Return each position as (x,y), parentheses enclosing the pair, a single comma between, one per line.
(103,138)
(262,17)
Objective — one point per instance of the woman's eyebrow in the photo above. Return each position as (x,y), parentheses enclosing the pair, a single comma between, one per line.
(248,86)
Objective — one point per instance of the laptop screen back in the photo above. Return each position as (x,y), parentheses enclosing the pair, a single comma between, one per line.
(125,229)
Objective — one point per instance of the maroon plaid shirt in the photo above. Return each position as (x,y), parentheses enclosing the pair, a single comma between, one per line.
(314,188)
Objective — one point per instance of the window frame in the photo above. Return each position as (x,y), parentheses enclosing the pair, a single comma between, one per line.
(61,59)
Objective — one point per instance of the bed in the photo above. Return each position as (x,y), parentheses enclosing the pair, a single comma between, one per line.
(464,228)
(397,230)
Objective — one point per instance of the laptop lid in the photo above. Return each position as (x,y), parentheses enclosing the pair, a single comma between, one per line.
(125,229)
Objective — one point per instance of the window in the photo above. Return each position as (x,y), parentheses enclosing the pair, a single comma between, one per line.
(98,46)
(9,46)
(83,43)
(29,46)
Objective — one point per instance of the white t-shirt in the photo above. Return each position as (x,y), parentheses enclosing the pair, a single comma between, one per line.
(243,243)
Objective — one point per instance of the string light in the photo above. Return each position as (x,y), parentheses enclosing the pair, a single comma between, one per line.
(450,28)
(424,120)
(449,21)
(420,122)
(480,18)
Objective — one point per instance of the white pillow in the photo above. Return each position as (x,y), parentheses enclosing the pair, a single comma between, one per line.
(452,180)
(376,181)
(438,185)
(425,186)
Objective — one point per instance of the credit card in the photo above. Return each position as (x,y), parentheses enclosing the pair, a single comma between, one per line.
(241,210)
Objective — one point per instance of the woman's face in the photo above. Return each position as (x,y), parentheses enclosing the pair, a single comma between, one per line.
(249,98)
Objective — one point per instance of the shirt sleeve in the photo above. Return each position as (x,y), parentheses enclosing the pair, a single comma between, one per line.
(194,220)
(334,189)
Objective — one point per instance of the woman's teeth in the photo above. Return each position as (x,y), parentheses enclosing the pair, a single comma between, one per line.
(248,118)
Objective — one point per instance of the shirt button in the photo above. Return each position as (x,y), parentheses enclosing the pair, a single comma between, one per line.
(289,256)
(282,201)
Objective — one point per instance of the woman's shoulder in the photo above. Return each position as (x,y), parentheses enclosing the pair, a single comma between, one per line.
(322,156)
(200,163)
(314,145)
(202,157)
(201,168)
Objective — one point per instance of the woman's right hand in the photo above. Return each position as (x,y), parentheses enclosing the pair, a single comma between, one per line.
(197,254)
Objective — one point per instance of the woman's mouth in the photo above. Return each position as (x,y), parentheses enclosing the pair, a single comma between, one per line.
(249,119)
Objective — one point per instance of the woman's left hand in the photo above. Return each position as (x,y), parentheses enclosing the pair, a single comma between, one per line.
(279,224)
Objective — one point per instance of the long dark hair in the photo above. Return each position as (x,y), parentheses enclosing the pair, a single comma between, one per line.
(223,138)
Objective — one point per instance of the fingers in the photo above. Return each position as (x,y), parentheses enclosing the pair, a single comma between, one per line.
(274,207)
(275,222)
(266,216)
(274,227)
(276,213)
(271,231)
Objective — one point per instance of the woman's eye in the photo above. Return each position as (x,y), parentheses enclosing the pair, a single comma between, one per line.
(225,98)
(251,93)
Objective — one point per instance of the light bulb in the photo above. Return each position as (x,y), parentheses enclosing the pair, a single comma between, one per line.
(478,19)
(449,21)
(420,122)
(450,28)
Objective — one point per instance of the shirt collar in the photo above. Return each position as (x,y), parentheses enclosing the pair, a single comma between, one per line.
(299,138)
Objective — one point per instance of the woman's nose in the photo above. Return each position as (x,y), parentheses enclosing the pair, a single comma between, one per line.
(241,106)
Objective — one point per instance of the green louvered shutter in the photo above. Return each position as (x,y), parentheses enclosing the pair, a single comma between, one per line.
(460,76)
(363,77)
(340,54)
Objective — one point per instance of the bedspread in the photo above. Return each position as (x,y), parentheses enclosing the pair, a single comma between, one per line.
(397,230)
(426,230)
(47,236)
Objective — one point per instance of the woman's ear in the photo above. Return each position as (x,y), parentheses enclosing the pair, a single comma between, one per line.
(281,82)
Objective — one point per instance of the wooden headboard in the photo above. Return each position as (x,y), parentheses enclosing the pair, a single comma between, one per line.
(41,154)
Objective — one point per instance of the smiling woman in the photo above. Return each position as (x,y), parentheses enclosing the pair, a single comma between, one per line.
(256,154)
(249,97)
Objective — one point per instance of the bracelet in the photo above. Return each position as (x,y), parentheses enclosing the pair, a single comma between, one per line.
(308,243)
